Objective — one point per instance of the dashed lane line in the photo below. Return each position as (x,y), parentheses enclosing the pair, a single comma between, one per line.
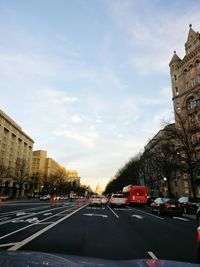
(32,237)
(29,215)
(181,219)
(152,255)
(30,225)
(113,212)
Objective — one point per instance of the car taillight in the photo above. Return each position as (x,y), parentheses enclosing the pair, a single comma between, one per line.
(166,205)
(198,234)
(189,203)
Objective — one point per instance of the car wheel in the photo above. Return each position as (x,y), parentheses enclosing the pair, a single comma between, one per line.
(158,212)
(185,210)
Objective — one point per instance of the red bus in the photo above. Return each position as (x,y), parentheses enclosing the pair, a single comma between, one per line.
(136,194)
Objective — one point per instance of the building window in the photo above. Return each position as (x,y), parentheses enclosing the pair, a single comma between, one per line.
(186,86)
(175,78)
(197,64)
(176,91)
(192,103)
(185,72)
(191,68)
(193,82)
(178,109)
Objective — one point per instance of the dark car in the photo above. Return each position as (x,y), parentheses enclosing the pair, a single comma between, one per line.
(150,200)
(189,204)
(163,205)
(198,234)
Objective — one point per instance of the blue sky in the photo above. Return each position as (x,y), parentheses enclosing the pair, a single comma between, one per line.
(89,80)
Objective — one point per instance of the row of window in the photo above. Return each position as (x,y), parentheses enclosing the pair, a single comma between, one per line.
(189,85)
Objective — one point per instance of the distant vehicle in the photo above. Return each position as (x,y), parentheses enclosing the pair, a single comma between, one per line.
(45,197)
(4,197)
(189,204)
(198,234)
(118,200)
(168,206)
(150,200)
(95,200)
(135,194)
(104,200)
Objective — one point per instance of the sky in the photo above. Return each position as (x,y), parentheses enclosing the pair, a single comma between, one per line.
(89,80)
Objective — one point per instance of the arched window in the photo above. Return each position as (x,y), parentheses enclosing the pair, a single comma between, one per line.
(185,72)
(192,102)
(197,64)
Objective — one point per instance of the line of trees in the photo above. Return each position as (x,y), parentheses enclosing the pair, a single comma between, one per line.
(26,185)
(174,150)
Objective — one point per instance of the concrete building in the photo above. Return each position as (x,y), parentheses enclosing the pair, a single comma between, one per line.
(185,80)
(14,145)
(45,168)
(73,178)
(43,165)
(156,177)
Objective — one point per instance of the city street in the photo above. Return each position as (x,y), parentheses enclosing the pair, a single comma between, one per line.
(78,229)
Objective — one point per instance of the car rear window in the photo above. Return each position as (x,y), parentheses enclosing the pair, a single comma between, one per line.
(118,196)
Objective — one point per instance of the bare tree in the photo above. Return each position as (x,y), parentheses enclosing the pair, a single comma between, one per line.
(21,173)
(187,148)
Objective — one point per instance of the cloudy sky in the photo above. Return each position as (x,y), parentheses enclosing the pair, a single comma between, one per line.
(89,80)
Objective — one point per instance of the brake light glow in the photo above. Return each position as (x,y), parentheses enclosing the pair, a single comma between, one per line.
(198,234)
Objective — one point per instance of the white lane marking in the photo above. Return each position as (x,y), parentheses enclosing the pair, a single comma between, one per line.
(32,220)
(148,214)
(7,245)
(20,213)
(47,214)
(30,238)
(4,218)
(18,221)
(152,255)
(181,219)
(94,214)
(25,227)
(113,212)
(137,216)
(29,215)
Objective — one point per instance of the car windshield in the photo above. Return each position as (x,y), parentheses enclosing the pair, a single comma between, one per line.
(100,130)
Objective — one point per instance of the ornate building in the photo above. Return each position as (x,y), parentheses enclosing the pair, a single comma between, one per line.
(185,79)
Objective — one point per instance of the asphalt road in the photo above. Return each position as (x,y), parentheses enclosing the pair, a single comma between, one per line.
(101,232)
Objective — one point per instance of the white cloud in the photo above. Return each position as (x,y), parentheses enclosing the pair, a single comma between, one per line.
(75,119)
(153,40)
(86,139)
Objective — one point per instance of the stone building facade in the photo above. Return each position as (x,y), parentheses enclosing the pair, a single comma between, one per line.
(15,145)
(185,80)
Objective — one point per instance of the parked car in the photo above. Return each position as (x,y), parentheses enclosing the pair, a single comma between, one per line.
(104,200)
(198,234)
(45,197)
(168,206)
(95,200)
(118,200)
(150,200)
(189,204)
(4,197)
